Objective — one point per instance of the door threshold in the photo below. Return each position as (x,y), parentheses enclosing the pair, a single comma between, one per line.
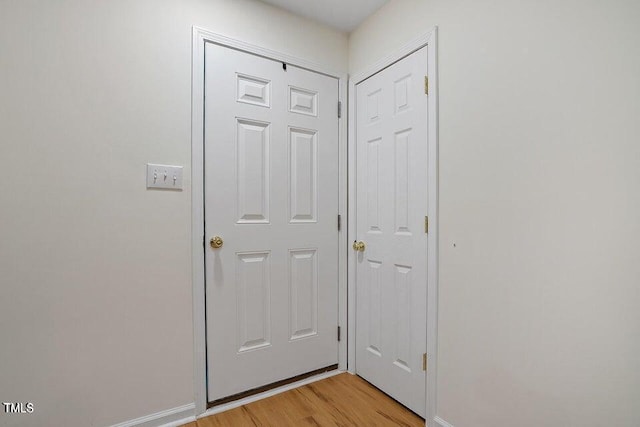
(271,386)
(230,402)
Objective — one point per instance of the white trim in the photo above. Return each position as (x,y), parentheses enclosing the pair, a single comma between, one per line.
(200,37)
(197,221)
(268,393)
(434,227)
(351,258)
(169,418)
(431,39)
(342,237)
(441,423)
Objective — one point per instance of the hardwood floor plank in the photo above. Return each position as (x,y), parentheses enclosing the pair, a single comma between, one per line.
(339,401)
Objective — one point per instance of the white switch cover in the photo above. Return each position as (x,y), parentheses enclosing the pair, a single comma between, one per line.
(164,176)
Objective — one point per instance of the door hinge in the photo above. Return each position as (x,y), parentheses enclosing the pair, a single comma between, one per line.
(339,222)
(339,109)
(424,362)
(338,333)
(426,85)
(426,224)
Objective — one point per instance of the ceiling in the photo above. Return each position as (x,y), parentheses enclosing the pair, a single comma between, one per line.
(344,15)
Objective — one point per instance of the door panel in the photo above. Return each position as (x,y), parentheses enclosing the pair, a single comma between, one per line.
(271,193)
(252,171)
(391,204)
(303,282)
(303,171)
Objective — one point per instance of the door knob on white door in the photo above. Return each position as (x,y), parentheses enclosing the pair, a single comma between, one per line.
(216,242)
(358,246)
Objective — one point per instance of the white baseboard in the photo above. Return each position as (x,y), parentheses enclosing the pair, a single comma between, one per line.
(441,423)
(170,418)
(269,393)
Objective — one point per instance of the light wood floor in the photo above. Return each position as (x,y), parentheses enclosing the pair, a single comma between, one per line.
(342,400)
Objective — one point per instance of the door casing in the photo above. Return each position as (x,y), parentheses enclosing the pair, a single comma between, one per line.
(202,36)
(428,39)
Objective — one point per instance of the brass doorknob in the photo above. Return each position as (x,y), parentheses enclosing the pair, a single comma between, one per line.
(358,246)
(216,242)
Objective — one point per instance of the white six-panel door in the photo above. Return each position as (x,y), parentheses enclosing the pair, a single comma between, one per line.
(271,195)
(391,193)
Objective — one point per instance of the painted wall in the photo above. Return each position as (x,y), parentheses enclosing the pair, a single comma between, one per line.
(539,173)
(95,271)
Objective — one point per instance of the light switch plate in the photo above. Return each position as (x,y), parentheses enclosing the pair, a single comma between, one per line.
(164,176)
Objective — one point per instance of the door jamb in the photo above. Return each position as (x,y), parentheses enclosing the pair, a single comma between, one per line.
(202,36)
(429,39)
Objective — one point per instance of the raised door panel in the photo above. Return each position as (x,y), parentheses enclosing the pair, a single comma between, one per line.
(303,175)
(303,291)
(373,185)
(373,106)
(374,300)
(253,285)
(252,171)
(402,94)
(401,181)
(303,101)
(402,322)
(253,90)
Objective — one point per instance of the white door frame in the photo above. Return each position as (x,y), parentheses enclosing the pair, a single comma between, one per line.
(202,36)
(428,39)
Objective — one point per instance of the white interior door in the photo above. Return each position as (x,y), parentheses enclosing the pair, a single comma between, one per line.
(271,195)
(391,272)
